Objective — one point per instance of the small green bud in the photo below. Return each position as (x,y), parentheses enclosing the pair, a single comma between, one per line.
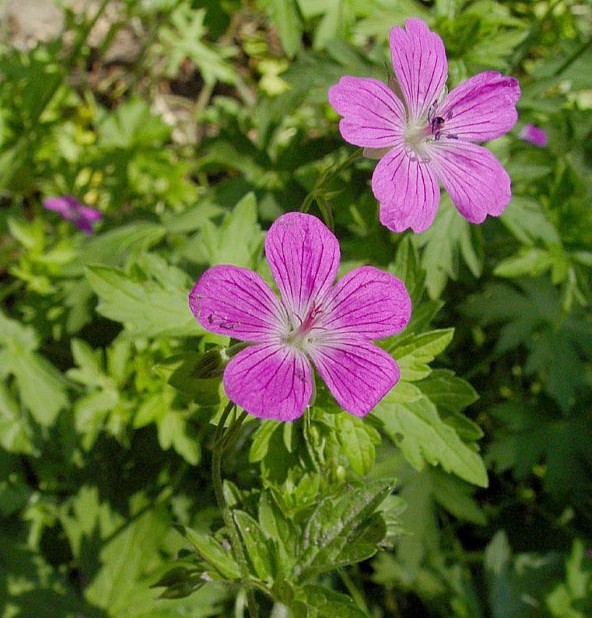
(210,365)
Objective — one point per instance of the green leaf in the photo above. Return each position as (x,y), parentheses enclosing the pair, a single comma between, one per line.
(132,125)
(333,14)
(174,431)
(116,246)
(573,598)
(184,38)
(280,530)
(152,307)
(180,581)
(526,220)
(449,392)
(414,352)
(325,603)
(419,521)
(532,435)
(424,438)
(123,555)
(451,395)
(343,529)
(411,418)
(406,266)
(195,374)
(530,262)
(41,387)
(32,587)
(455,496)
(191,219)
(285,16)
(358,440)
(261,439)
(450,236)
(15,433)
(533,316)
(516,584)
(91,414)
(89,365)
(238,239)
(212,552)
(256,544)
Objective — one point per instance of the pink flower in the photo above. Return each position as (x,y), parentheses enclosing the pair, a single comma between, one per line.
(535,135)
(428,135)
(330,325)
(72,210)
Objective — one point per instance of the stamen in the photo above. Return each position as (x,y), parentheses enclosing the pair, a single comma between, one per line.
(298,335)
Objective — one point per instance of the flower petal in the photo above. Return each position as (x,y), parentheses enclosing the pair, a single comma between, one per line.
(475,180)
(535,135)
(367,302)
(74,211)
(64,204)
(407,189)
(238,303)
(304,259)
(419,60)
(373,117)
(90,214)
(270,381)
(481,108)
(358,373)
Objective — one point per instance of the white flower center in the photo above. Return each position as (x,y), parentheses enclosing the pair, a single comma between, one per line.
(417,135)
(299,334)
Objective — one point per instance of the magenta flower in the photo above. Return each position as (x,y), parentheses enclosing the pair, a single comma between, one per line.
(428,135)
(330,325)
(535,135)
(72,210)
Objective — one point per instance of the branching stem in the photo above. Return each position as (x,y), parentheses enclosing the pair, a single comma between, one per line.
(327,176)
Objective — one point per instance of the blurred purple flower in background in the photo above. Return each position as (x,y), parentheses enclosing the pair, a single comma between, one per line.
(535,135)
(423,135)
(70,209)
(331,325)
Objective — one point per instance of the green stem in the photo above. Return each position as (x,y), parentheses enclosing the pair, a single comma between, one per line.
(573,57)
(327,176)
(222,442)
(532,38)
(353,590)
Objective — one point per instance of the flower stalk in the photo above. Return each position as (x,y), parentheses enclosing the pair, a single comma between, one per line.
(325,178)
(222,440)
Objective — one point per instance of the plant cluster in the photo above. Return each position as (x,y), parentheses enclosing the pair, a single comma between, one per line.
(165,446)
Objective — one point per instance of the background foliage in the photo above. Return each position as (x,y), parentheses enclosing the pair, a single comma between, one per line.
(192,124)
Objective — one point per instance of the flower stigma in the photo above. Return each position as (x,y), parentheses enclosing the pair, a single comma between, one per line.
(299,335)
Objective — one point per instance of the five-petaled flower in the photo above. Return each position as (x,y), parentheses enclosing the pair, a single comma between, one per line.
(70,209)
(429,135)
(331,325)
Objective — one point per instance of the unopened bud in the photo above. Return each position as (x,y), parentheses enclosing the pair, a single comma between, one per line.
(210,365)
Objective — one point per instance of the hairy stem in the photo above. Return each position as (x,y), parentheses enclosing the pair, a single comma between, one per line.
(574,56)
(223,439)
(327,176)
(356,594)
